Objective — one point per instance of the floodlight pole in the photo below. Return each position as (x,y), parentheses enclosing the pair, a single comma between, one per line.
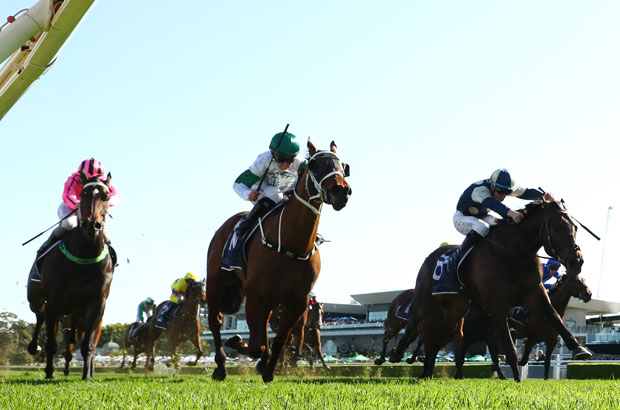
(600,275)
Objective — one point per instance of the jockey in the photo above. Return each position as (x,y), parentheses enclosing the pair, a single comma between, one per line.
(550,270)
(179,288)
(280,167)
(472,217)
(146,307)
(70,199)
(312,299)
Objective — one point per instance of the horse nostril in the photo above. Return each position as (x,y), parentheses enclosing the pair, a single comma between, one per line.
(98,225)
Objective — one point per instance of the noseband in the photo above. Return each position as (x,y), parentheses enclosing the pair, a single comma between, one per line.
(545,232)
(321,193)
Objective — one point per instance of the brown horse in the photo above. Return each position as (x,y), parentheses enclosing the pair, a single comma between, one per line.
(501,272)
(393,324)
(537,330)
(283,272)
(138,342)
(184,325)
(76,277)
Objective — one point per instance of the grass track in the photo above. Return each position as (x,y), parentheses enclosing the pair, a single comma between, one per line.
(29,390)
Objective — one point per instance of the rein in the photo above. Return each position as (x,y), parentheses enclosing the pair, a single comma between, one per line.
(320,196)
(554,253)
(83,261)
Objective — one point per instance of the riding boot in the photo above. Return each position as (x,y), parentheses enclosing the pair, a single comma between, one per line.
(56,235)
(261,207)
(470,240)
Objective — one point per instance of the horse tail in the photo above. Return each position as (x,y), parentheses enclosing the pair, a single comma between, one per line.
(233,296)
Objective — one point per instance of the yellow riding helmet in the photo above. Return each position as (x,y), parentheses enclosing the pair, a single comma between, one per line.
(191,276)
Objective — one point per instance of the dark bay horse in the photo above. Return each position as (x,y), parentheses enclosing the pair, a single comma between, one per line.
(283,274)
(72,331)
(393,324)
(537,330)
(76,277)
(501,272)
(138,342)
(184,325)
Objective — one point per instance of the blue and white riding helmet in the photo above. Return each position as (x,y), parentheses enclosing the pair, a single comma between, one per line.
(504,184)
(553,264)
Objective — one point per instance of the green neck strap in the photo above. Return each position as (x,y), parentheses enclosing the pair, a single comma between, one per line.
(83,261)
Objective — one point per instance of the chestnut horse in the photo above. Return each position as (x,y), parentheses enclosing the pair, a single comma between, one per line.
(282,273)
(537,330)
(75,278)
(138,342)
(501,272)
(184,325)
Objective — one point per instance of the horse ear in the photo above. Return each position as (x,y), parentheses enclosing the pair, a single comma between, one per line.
(311,148)
(333,147)
(108,180)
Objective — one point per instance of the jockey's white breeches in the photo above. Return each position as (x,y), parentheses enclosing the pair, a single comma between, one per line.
(465,224)
(271,192)
(69,223)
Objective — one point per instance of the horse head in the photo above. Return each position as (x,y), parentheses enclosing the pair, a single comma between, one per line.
(197,290)
(328,177)
(574,286)
(558,232)
(93,206)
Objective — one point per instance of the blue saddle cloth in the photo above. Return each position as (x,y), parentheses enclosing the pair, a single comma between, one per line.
(447,281)
(402,311)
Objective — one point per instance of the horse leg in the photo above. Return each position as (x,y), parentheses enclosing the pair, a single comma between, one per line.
(68,357)
(550,345)
(51,328)
(526,352)
(459,352)
(431,348)
(290,315)
(196,343)
(411,332)
(381,359)
(174,359)
(493,350)
(500,323)
(319,349)
(215,325)
(415,352)
(33,346)
(540,300)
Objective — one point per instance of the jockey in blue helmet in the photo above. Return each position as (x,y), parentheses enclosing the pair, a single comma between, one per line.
(550,270)
(472,217)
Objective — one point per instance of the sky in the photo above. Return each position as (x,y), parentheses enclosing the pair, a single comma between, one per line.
(422,98)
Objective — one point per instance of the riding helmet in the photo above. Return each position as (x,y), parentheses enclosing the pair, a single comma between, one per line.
(191,276)
(288,146)
(91,167)
(501,179)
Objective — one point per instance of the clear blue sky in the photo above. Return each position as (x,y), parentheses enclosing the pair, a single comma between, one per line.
(422,98)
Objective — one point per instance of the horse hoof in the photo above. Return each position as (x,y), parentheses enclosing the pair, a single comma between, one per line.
(267,377)
(233,341)
(33,348)
(410,360)
(192,363)
(379,361)
(219,374)
(581,353)
(261,365)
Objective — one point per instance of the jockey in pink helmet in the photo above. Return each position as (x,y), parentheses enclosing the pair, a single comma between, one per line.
(71,198)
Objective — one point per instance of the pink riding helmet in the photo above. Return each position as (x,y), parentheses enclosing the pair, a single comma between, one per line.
(92,168)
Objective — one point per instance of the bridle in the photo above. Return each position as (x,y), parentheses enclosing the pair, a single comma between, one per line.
(97,184)
(545,234)
(317,181)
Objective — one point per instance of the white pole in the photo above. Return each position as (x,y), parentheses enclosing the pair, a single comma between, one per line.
(600,275)
(37,18)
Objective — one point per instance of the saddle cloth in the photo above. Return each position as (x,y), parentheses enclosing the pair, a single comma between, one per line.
(447,281)
(402,311)
(234,254)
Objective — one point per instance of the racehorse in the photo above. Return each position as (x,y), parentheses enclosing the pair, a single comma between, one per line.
(183,325)
(537,331)
(76,277)
(138,342)
(312,335)
(283,272)
(393,324)
(501,272)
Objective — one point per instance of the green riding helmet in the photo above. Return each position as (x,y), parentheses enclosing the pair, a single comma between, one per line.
(288,146)
(150,300)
